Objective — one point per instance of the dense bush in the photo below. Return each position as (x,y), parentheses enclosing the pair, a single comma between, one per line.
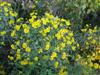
(46,45)
(78,11)
(75,10)
(7,19)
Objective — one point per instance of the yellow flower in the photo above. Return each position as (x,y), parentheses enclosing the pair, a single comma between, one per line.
(87,43)
(40,50)
(3,3)
(95,29)
(57,48)
(24,45)
(68,22)
(63,20)
(47,47)
(2,43)
(28,57)
(49,16)
(62,72)
(97,57)
(96,66)
(91,64)
(77,57)
(3,32)
(14,14)
(61,33)
(56,64)
(25,26)
(90,31)
(45,20)
(67,37)
(31,63)
(9,4)
(64,39)
(13,33)
(83,30)
(10,57)
(18,56)
(19,20)
(47,30)
(36,24)
(36,58)
(24,62)
(89,38)
(78,45)
(73,48)
(70,34)
(11,21)
(58,36)
(17,42)
(64,55)
(93,41)
(63,45)
(6,14)
(55,24)
(17,27)
(69,42)
(28,49)
(18,50)
(33,14)
(53,55)
(73,39)
(5,9)
(13,46)
(26,30)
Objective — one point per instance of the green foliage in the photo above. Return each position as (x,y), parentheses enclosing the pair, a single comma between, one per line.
(25,7)
(46,44)
(73,9)
(7,19)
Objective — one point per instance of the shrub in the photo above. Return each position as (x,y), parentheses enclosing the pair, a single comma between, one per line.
(72,9)
(46,45)
(48,42)
(7,20)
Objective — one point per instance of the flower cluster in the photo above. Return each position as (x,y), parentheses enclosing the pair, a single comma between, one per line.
(47,40)
(7,20)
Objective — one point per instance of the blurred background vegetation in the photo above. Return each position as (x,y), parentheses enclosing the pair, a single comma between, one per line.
(80,12)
